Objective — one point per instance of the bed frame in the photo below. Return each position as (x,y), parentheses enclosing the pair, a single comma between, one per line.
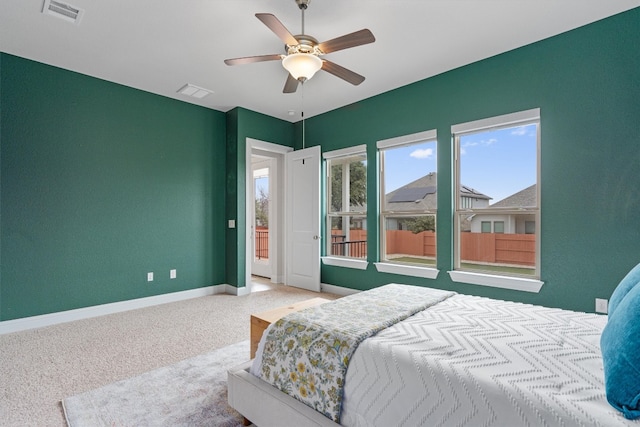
(265,405)
(557,372)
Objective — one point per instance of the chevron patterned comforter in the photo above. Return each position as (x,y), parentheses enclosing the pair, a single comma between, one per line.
(471,361)
(480,362)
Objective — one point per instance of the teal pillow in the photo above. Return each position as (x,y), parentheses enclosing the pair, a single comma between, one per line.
(620,345)
(626,284)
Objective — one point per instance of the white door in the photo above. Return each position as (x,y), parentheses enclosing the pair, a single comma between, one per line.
(303,218)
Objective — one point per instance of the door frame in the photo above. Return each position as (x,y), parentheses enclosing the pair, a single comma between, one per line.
(276,230)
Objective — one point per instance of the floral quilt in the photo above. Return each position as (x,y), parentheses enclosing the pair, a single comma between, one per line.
(306,354)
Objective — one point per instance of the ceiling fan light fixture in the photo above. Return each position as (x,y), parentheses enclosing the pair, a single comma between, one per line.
(302,66)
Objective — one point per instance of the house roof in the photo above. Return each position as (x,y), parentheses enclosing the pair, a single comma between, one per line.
(523,198)
(473,193)
(421,194)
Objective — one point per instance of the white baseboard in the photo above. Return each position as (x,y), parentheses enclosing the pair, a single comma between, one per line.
(239,292)
(277,279)
(23,324)
(9,326)
(337,290)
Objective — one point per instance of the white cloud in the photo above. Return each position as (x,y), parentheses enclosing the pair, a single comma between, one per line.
(519,131)
(425,153)
(463,147)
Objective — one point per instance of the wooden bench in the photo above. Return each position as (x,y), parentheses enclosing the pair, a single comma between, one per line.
(260,321)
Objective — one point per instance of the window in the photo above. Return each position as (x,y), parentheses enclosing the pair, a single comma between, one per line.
(529,227)
(408,200)
(497,166)
(466,202)
(347,202)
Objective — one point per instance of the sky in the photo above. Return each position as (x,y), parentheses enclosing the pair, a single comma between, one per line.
(497,163)
(406,164)
(261,183)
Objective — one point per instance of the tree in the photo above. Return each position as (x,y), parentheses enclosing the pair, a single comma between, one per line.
(358,186)
(421,223)
(262,208)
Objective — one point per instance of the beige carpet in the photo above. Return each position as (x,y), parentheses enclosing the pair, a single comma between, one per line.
(39,368)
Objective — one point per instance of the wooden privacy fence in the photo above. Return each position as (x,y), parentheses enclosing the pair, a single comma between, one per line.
(494,248)
(497,248)
(407,243)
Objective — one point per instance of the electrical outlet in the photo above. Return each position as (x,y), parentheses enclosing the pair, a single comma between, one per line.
(232,223)
(602,305)
(172,274)
(150,277)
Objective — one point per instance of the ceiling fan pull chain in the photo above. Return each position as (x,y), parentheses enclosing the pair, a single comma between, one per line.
(302,114)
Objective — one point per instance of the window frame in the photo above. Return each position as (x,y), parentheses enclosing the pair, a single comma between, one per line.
(478,277)
(384,265)
(341,260)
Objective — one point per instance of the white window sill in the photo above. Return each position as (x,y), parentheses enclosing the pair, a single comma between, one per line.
(357,264)
(407,270)
(504,282)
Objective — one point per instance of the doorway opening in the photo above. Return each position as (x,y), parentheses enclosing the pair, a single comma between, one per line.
(262,215)
(265,215)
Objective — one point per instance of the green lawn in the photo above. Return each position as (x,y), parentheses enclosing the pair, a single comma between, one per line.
(471,266)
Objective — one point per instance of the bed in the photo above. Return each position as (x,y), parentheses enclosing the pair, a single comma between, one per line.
(462,360)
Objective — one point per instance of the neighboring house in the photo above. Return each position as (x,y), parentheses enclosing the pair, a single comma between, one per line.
(421,195)
(508,223)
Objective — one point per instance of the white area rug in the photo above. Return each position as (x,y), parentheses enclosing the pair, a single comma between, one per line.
(192,392)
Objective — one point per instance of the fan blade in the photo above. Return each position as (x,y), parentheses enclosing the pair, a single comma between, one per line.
(276,26)
(291,85)
(343,73)
(350,40)
(252,59)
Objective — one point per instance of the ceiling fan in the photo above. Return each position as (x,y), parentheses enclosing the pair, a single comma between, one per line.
(302,58)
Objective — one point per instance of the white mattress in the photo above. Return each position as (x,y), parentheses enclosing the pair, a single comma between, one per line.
(481,362)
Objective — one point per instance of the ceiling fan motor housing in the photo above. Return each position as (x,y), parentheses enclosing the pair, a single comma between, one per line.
(306,44)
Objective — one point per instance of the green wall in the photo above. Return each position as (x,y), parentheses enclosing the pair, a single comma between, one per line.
(587,84)
(101,184)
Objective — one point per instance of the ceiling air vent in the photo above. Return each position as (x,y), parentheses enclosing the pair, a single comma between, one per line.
(62,10)
(194,91)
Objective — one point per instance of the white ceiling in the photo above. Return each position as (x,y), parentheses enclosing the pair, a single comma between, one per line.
(158,45)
